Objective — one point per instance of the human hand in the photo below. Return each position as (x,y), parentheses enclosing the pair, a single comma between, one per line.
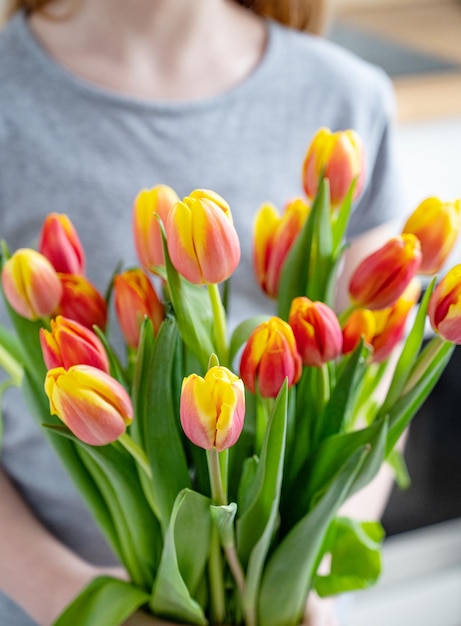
(320,611)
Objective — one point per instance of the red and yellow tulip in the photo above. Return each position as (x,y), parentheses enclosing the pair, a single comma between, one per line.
(212,409)
(269,357)
(92,404)
(361,323)
(31,284)
(317,331)
(69,343)
(136,299)
(202,241)
(82,302)
(61,245)
(437,225)
(340,157)
(273,237)
(383,276)
(149,204)
(445,306)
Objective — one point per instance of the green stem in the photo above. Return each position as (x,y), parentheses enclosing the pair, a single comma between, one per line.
(218,495)
(137,453)
(220,326)
(434,346)
(215,570)
(263,406)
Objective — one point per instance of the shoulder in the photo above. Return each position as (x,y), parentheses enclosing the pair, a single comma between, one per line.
(332,74)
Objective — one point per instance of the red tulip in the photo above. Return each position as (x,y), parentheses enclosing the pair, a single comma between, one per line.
(82,302)
(317,331)
(445,306)
(60,243)
(269,357)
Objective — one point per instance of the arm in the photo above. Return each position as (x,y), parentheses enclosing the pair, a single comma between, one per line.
(40,574)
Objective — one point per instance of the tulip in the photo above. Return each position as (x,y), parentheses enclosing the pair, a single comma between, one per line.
(31,284)
(92,404)
(202,241)
(436,224)
(383,276)
(212,408)
(269,357)
(361,323)
(60,243)
(390,323)
(69,343)
(136,299)
(273,236)
(445,306)
(149,204)
(82,302)
(317,331)
(340,157)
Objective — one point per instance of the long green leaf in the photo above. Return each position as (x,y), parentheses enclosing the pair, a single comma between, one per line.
(183,561)
(289,574)
(104,602)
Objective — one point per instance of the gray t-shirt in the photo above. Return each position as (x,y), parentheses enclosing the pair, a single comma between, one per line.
(69,146)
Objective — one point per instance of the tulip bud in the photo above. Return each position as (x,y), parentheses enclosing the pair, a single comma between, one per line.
(436,224)
(92,404)
(69,343)
(383,276)
(212,408)
(361,323)
(340,157)
(31,284)
(202,241)
(445,306)
(390,323)
(136,299)
(82,302)
(60,243)
(146,229)
(269,357)
(273,236)
(317,331)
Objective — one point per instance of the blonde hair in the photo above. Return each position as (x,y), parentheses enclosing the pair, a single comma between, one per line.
(307,15)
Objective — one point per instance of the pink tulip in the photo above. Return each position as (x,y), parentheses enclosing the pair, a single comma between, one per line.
(60,243)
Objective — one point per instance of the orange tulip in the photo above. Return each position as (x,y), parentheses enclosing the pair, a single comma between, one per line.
(383,276)
(92,404)
(361,323)
(269,357)
(60,243)
(391,322)
(31,284)
(136,299)
(69,343)
(273,236)
(445,306)
(436,224)
(146,229)
(202,241)
(317,331)
(212,409)
(82,302)
(340,157)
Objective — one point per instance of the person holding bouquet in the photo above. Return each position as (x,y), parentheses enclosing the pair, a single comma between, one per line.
(102,98)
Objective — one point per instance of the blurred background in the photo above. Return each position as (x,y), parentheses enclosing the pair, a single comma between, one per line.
(418,43)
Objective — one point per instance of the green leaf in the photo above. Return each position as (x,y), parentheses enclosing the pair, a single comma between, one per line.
(156,416)
(184,557)
(396,460)
(265,488)
(104,602)
(223,517)
(256,526)
(355,549)
(290,571)
(342,217)
(409,352)
(337,413)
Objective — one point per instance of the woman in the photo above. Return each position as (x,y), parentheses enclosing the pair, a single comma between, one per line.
(101,98)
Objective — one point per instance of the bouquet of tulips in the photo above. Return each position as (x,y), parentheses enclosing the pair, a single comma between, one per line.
(216,462)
